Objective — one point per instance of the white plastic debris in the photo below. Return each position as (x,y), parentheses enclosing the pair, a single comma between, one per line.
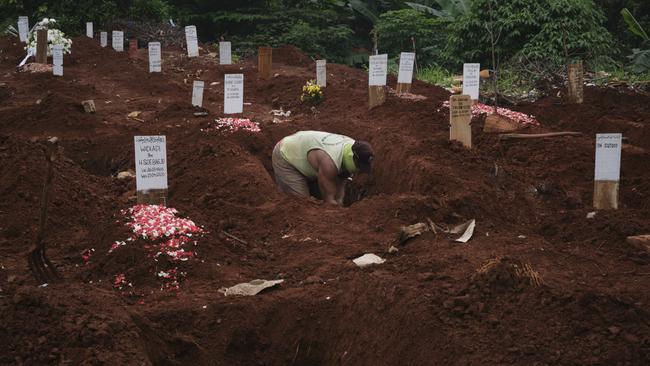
(249,288)
(467,229)
(591,215)
(368,259)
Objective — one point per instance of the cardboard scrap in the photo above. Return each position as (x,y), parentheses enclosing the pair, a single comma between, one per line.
(89,106)
(368,259)
(467,229)
(640,242)
(249,288)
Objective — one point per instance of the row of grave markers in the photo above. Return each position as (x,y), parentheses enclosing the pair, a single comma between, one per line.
(608,146)
(151,169)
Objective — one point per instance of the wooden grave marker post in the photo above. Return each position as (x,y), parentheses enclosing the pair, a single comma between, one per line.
(405,75)
(607,170)
(377,74)
(264,62)
(133,48)
(41,46)
(575,87)
(460,119)
(151,169)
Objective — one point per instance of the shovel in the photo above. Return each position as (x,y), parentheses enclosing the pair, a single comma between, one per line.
(40,266)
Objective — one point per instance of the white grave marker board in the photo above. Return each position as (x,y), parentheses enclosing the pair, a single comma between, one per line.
(377,70)
(155,60)
(197,93)
(608,157)
(471,80)
(225,53)
(103,39)
(321,73)
(192,41)
(233,93)
(150,162)
(118,41)
(23,28)
(89,30)
(406,61)
(57,60)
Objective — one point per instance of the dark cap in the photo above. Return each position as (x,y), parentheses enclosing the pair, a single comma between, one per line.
(363,155)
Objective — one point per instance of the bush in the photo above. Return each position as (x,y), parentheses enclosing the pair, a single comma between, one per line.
(532,31)
(395,28)
(72,16)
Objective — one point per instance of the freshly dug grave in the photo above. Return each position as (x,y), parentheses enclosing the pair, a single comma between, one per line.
(538,283)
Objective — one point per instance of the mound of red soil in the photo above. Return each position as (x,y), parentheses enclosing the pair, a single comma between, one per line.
(432,302)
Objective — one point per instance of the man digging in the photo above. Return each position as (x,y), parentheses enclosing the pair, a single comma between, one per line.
(327,158)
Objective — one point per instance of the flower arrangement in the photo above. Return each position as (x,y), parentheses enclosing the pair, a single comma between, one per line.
(311,93)
(54,37)
(233,124)
(480,108)
(165,236)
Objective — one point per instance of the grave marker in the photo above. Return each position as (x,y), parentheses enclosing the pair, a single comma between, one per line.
(233,93)
(23,28)
(155,58)
(460,118)
(607,171)
(264,62)
(575,87)
(377,74)
(57,60)
(471,80)
(133,48)
(225,54)
(103,39)
(151,169)
(192,41)
(118,41)
(197,93)
(321,73)
(89,30)
(405,75)
(41,46)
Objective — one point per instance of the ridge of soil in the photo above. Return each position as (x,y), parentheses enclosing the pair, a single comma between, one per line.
(432,302)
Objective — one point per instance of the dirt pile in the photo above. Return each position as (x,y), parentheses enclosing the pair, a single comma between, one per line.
(553,286)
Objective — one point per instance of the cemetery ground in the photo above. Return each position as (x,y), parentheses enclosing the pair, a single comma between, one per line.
(539,283)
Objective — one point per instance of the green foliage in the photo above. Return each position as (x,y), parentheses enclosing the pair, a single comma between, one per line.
(448,8)
(332,42)
(436,75)
(71,16)
(640,59)
(532,31)
(395,29)
(149,10)
(317,27)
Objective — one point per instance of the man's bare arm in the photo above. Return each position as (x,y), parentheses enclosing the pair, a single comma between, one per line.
(327,175)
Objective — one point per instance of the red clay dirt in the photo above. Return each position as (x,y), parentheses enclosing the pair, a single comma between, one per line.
(538,284)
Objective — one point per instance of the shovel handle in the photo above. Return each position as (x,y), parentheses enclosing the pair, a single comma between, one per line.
(50,154)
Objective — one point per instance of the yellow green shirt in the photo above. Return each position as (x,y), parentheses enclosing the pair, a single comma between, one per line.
(294,149)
